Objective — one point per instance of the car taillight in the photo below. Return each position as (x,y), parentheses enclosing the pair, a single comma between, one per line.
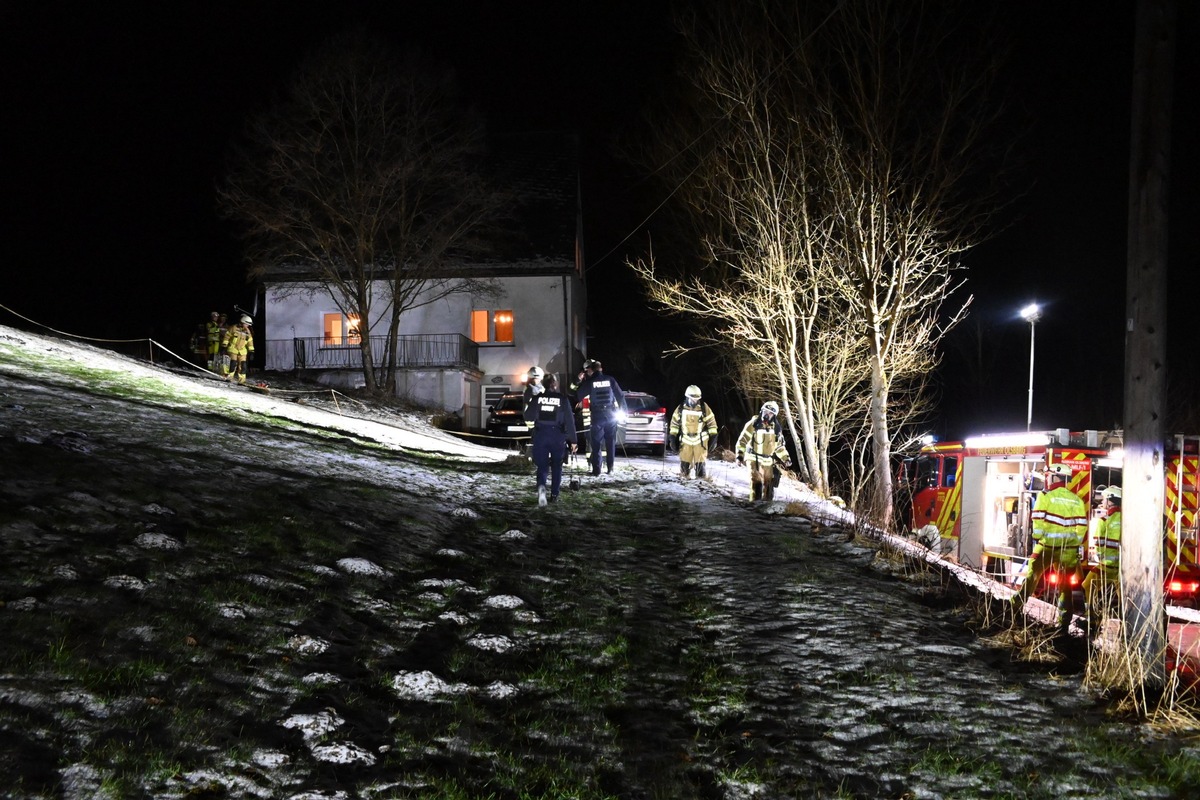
(1055,578)
(1183,587)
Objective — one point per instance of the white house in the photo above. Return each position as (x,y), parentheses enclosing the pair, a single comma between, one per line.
(461,352)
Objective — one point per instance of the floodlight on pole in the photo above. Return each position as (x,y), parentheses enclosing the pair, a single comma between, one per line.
(1031,314)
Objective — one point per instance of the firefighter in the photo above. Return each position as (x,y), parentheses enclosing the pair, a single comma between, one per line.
(239,346)
(606,401)
(553,423)
(693,426)
(1101,583)
(213,331)
(761,442)
(1060,521)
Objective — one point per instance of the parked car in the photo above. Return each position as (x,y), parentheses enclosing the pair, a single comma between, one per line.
(643,425)
(505,419)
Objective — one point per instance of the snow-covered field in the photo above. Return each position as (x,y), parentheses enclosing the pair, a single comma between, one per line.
(209,591)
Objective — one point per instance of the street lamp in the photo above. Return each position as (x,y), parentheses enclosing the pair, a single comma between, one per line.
(1031,313)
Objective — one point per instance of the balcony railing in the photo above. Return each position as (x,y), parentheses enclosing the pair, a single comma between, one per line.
(431,350)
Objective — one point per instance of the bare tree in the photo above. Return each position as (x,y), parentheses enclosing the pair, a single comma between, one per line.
(365,177)
(832,160)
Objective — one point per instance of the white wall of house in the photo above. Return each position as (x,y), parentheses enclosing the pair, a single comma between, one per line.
(548,329)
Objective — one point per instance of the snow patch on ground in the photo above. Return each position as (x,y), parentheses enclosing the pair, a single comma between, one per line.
(425,685)
(492,643)
(157,541)
(343,753)
(361,566)
(503,601)
(308,645)
(313,726)
(125,582)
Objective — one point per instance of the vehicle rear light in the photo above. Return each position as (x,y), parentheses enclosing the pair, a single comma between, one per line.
(1052,579)
(1183,587)
(1074,578)
(662,411)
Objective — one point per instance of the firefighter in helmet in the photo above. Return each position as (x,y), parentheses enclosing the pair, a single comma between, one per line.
(1100,585)
(1060,520)
(213,331)
(239,346)
(761,443)
(693,426)
(533,383)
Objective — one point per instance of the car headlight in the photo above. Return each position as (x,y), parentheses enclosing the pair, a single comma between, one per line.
(620,417)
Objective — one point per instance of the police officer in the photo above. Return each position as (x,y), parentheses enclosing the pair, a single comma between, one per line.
(1060,519)
(606,401)
(553,422)
(239,346)
(761,443)
(693,426)
(1101,582)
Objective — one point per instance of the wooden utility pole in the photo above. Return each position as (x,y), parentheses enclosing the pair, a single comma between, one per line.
(1145,341)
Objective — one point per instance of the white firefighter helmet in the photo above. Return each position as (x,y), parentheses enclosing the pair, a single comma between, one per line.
(692,392)
(769,407)
(1061,470)
(246,319)
(536,373)
(1112,493)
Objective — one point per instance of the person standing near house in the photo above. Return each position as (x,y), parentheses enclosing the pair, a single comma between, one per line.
(239,346)
(549,411)
(212,334)
(605,402)
(693,426)
(221,359)
(761,443)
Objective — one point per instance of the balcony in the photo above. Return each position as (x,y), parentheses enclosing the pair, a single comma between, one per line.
(421,351)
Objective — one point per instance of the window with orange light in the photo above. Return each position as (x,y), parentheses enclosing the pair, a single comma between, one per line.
(479,325)
(340,330)
(492,326)
(504,326)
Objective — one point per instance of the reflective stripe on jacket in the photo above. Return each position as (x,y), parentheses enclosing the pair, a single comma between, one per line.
(693,424)
(551,411)
(1108,540)
(1060,519)
(762,442)
(238,343)
(604,393)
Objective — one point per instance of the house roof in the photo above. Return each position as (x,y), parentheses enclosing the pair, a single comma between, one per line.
(540,173)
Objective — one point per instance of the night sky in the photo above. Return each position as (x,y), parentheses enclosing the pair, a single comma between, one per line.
(118,118)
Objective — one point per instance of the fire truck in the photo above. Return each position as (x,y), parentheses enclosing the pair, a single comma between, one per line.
(972,500)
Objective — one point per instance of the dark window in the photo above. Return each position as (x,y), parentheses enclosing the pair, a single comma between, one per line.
(950,471)
(642,403)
